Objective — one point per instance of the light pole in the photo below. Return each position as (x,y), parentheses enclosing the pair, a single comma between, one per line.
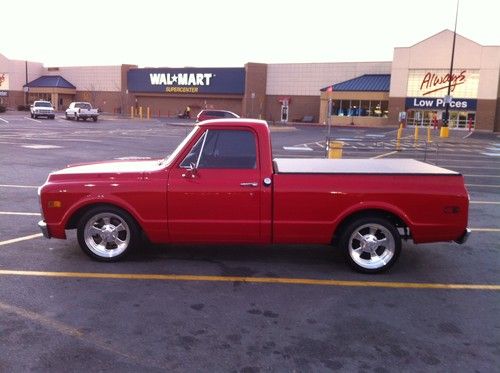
(445,129)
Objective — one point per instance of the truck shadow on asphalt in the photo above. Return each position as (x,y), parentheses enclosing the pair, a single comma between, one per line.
(236,260)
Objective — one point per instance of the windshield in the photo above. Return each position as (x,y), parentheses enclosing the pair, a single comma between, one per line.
(181,146)
(43,104)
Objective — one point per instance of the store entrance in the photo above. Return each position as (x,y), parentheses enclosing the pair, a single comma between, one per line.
(458,119)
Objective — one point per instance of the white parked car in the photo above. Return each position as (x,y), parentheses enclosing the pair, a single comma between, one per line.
(42,109)
(81,110)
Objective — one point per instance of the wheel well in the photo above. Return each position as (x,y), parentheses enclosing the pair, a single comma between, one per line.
(77,215)
(394,219)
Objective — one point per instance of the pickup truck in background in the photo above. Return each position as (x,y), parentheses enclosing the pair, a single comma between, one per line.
(222,186)
(81,110)
(42,108)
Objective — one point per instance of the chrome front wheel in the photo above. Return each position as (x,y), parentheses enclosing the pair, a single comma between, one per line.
(107,233)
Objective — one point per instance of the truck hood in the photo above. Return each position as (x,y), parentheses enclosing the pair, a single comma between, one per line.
(112,167)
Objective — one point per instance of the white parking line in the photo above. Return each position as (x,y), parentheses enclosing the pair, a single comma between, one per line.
(34,120)
(3,120)
(482,185)
(484,203)
(38,146)
(20,213)
(481,175)
(25,238)
(385,155)
(300,148)
(18,186)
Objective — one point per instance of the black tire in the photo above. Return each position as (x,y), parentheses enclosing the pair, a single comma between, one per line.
(34,116)
(371,244)
(31,115)
(77,118)
(52,117)
(94,119)
(67,117)
(107,233)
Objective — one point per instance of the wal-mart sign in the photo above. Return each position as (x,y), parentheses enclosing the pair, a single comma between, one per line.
(187,80)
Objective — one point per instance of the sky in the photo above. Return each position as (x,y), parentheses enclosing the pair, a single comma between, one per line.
(230,33)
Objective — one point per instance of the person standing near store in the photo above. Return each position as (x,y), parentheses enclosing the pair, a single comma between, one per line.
(188,112)
(434,120)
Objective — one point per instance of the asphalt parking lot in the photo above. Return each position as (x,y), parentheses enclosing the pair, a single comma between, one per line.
(241,309)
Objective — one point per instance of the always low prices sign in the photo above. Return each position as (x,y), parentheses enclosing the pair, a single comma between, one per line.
(187,81)
(430,103)
(434,83)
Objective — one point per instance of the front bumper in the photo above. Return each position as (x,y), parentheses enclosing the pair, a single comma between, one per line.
(464,237)
(43,227)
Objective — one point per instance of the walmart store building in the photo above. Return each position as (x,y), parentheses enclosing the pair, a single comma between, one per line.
(359,93)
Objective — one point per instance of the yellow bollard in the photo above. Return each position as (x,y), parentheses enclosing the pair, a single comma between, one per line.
(148,116)
(140,112)
(416,136)
(132,112)
(398,138)
(429,139)
(444,132)
(335,149)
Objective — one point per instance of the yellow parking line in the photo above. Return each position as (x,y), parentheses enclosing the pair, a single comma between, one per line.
(25,238)
(70,331)
(256,280)
(58,326)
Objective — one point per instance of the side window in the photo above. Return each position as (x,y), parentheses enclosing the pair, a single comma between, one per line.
(225,149)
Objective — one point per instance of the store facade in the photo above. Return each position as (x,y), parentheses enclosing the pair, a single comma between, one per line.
(420,78)
(292,92)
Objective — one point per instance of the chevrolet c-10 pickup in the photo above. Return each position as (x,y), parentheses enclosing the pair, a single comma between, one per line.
(221,185)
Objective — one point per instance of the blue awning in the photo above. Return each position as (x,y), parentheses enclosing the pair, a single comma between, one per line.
(363,83)
(50,81)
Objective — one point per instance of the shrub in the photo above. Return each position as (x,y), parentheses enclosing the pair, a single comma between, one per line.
(23,107)
(2,109)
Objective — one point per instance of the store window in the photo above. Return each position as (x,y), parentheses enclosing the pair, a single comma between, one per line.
(365,109)
(360,108)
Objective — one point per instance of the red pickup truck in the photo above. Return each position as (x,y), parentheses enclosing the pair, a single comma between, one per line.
(221,185)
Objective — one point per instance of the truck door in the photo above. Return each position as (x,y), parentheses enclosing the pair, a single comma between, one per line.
(214,193)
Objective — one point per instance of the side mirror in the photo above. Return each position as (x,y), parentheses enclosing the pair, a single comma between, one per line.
(191,171)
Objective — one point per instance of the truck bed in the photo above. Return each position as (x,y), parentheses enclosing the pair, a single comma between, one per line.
(357,166)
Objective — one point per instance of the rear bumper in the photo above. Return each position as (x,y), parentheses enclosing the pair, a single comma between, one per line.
(464,237)
(43,227)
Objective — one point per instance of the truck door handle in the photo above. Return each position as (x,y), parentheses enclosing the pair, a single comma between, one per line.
(254,184)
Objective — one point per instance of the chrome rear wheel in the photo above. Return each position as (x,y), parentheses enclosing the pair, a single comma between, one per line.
(372,244)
